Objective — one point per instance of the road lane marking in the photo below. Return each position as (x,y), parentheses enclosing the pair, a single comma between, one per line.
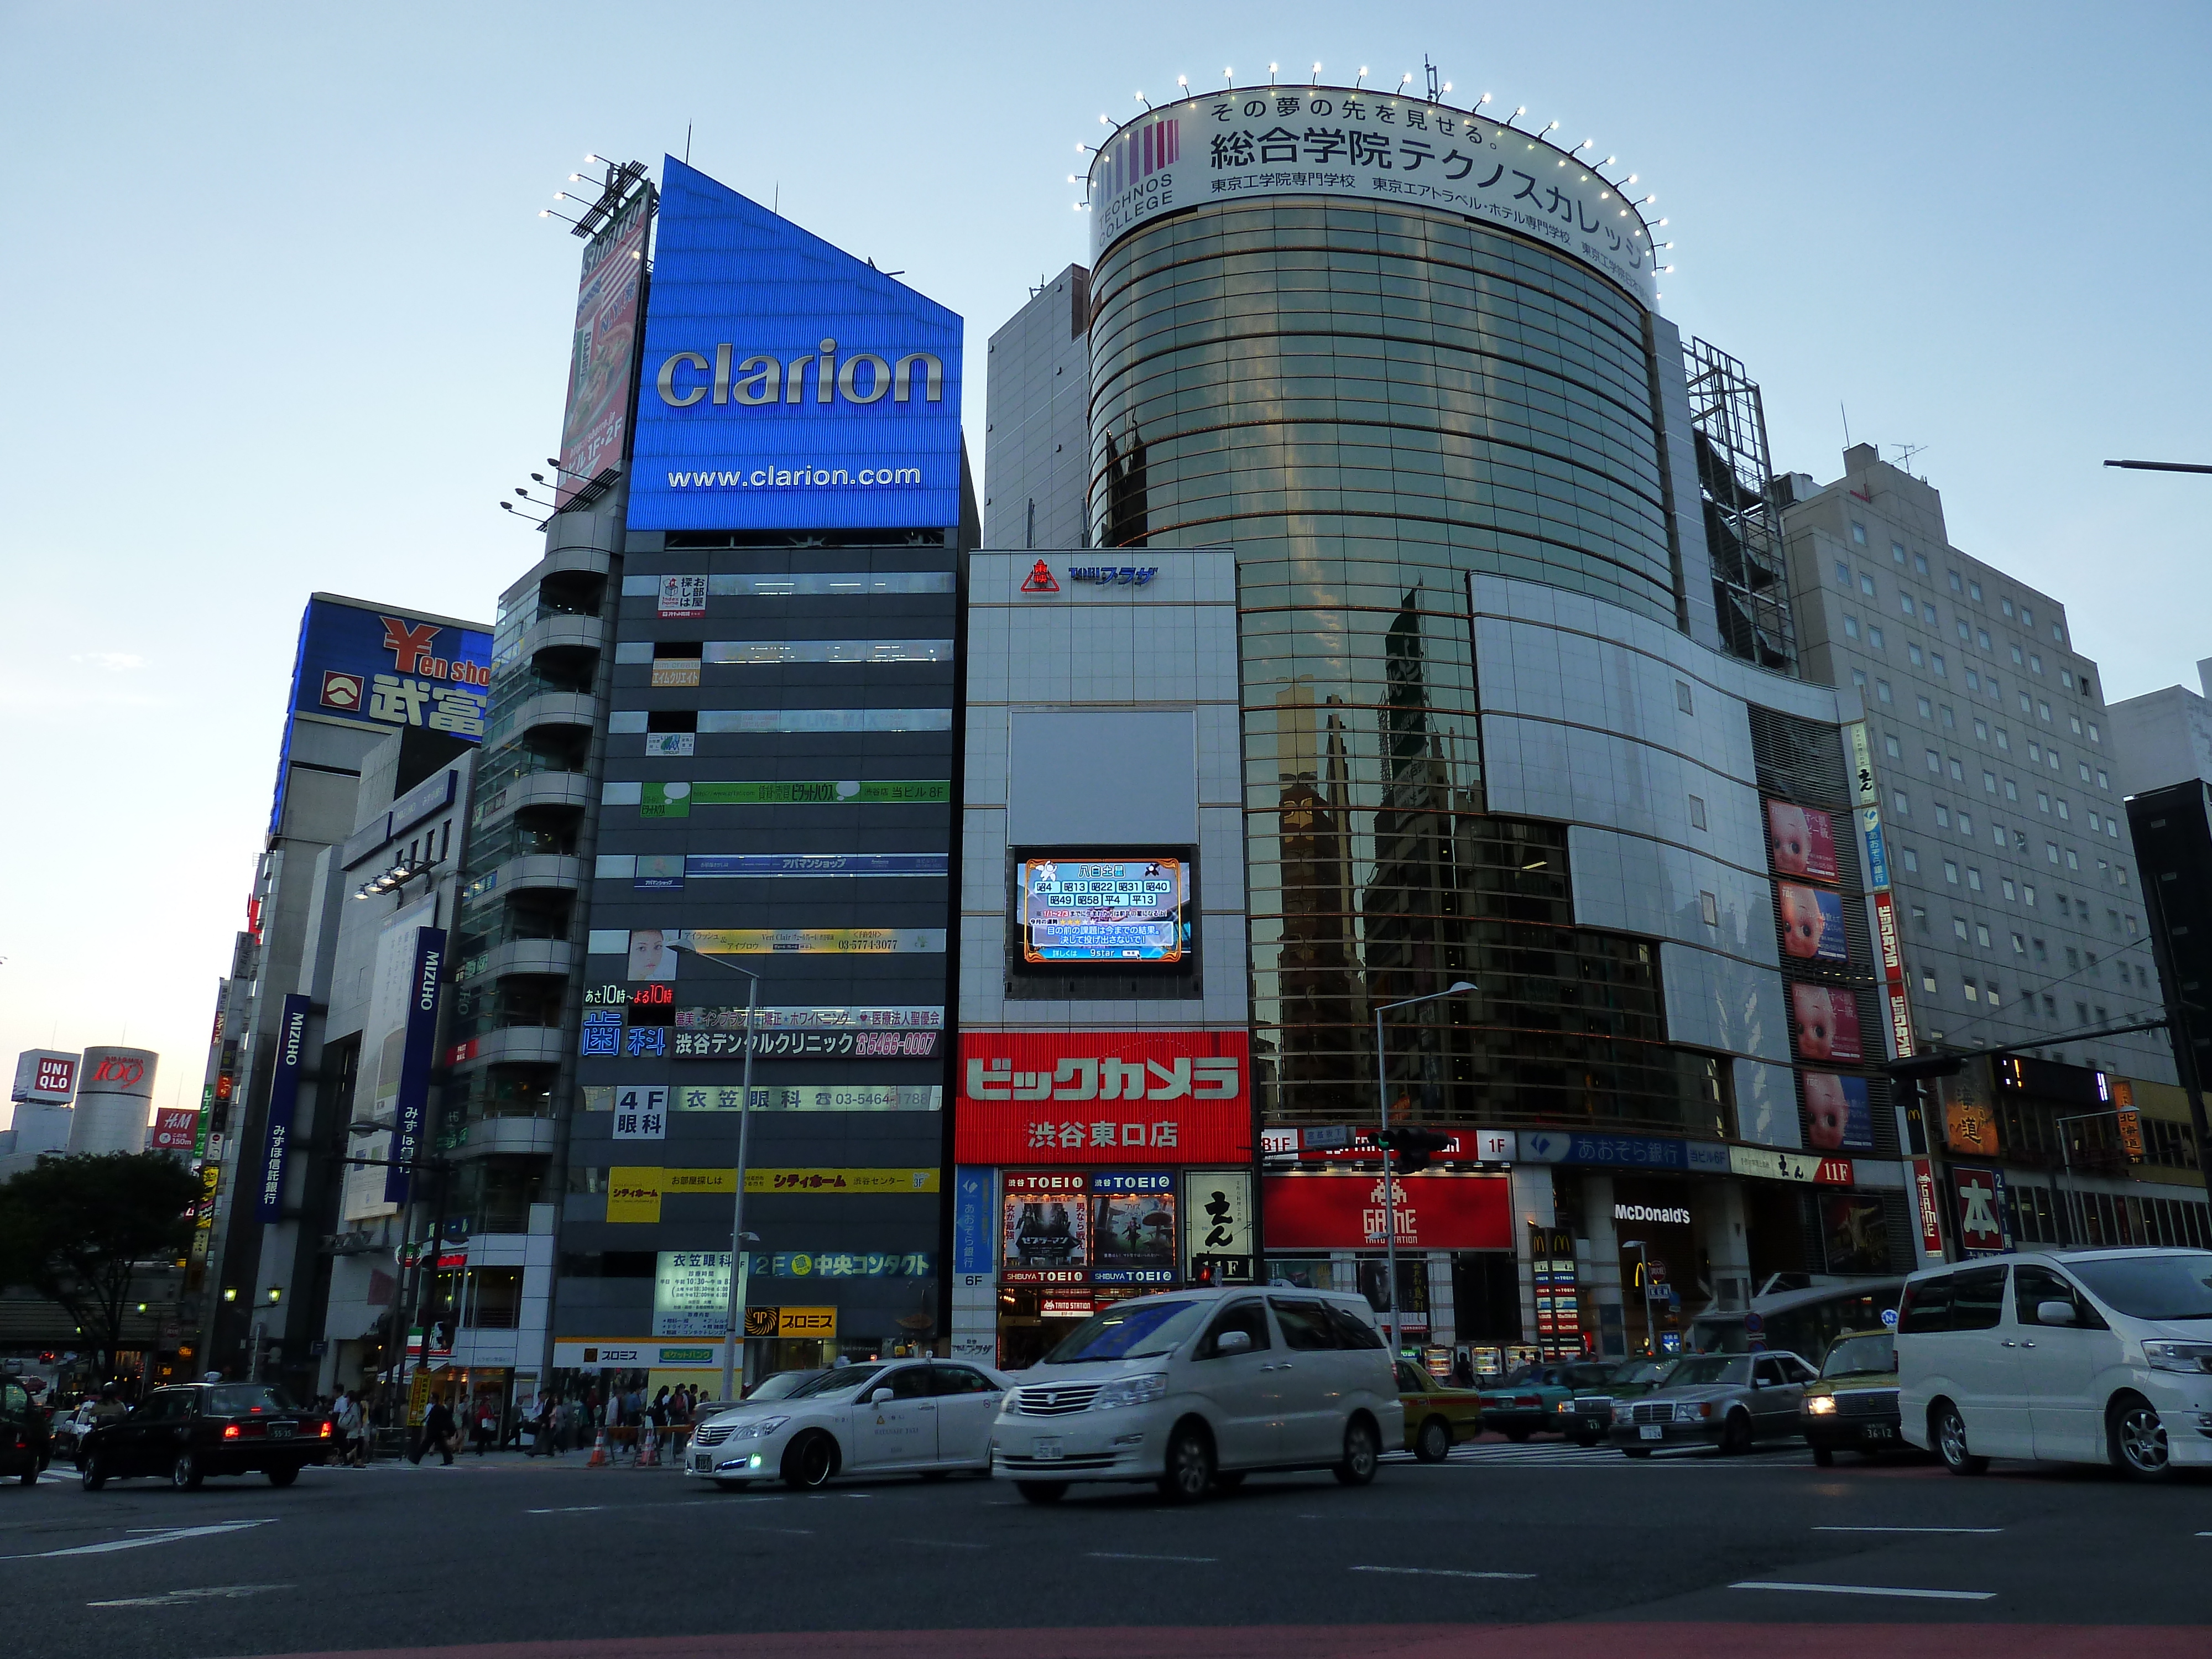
(944,1543)
(168,1536)
(1869,1589)
(1117,1555)
(794,1532)
(574,1509)
(1443,1572)
(1971,1530)
(183,1597)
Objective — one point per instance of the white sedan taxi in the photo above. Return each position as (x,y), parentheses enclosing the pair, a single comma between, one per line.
(926,1417)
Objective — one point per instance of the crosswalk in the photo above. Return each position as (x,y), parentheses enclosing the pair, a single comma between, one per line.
(1560,1454)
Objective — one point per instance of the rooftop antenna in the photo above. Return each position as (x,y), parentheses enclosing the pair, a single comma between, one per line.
(1430,70)
(1846,414)
(687,144)
(1904,454)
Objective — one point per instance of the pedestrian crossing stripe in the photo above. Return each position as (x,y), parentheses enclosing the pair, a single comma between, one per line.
(1564,1456)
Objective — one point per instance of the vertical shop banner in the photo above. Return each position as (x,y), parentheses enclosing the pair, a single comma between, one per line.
(283,1098)
(1220,1247)
(1863,780)
(412,1101)
(971,1221)
(1931,1221)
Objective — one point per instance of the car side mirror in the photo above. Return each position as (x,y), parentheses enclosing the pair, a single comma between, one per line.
(2055,1313)
(1233,1342)
(878,1397)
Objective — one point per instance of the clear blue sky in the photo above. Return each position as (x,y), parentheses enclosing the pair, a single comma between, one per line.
(281,316)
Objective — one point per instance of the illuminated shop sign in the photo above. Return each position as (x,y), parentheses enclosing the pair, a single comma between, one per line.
(1148,1097)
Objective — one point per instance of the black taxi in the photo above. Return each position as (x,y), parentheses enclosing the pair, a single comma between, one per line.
(186,1433)
(25,1443)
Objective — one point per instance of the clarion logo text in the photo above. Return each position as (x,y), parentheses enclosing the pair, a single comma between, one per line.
(864,377)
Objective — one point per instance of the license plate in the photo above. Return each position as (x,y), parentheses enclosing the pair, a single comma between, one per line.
(1046,1451)
(280,1430)
(1650,1432)
(1878,1432)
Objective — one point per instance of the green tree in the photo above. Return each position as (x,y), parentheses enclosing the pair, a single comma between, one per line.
(79,1230)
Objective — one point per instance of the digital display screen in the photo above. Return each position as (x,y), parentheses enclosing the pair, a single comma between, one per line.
(1105,910)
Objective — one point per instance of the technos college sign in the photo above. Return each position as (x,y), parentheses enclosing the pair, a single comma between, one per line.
(785,385)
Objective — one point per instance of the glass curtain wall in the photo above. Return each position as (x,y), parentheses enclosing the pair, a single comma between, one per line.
(1368,403)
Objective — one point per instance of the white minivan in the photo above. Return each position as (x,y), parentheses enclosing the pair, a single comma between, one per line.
(1194,1389)
(2076,1356)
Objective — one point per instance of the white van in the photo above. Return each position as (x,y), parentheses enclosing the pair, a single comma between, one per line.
(1193,1390)
(2076,1356)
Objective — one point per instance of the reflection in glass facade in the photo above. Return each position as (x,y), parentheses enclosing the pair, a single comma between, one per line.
(1368,403)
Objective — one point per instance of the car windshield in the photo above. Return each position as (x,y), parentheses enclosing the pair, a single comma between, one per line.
(2176,1286)
(1703,1369)
(1643,1370)
(1872,1355)
(783,1384)
(1140,1330)
(844,1380)
(240,1399)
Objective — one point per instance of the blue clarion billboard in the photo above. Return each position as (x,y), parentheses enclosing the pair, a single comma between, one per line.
(785,385)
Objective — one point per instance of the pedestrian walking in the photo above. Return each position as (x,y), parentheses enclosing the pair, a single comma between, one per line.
(438,1431)
(485,1431)
(345,1424)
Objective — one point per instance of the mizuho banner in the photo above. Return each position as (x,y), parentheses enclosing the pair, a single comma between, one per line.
(283,1098)
(1259,141)
(413,1100)
(785,385)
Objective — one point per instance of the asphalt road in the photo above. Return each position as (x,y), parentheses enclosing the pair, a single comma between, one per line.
(1676,1555)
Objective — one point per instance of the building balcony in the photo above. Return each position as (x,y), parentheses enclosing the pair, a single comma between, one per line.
(516,958)
(539,870)
(559,631)
(506,1137)
(512,1045)
(544,712)
(553,791)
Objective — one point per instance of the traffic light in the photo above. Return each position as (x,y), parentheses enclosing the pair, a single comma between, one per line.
(1412,1149)
(1907,1077)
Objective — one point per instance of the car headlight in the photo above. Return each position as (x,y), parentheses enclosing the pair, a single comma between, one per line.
(1623,1414)
(759,1429)
(1693,1413)
(1821,1405)
(1566,1404)
(1006,1399)
(2178,1356)
(1131,1391)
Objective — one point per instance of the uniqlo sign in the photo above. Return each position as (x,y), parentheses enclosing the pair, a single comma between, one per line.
(1346,1211)
(1096,1098)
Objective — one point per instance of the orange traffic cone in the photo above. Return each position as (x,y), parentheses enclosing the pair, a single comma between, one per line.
(649,1455)
(598,1458)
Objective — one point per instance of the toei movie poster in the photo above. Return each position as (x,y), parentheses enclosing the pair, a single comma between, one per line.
(1047,1221)
(1132,1227)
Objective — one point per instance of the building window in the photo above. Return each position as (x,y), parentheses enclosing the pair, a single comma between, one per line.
(2066,680)
(1928,980)
(2081,770)
(1912,652)
(2026,617)
(2042,801)
(1965,638)
(2012,892)
(2120,874)
(1982,638)
(1903,803)
(1982,934)
(1881,687)
(2073,859)
(2093,736)
(2041,953)
(2019,944)
(2016,658)
(1973,681)
(1858,534)
(2004,739)
(2050,1007)
(1850,626)
(1942,816)
(1991,990)
(1958,772)
(1950,719)
(1957,585)
(1935,662)
(1866,584)
(1920,562)
(2034,663)
(2012,790)
(1920,918)
(1935,762)
(1958,928)
(1950,873)
(1989,782)
(1912,861)
(1974,592)
(1859,679)
(1709,909)
(2062,812)
(1927,709)
(2042,710)
(1697,812)
(1906,604)
(2112,829)
(1842,573)
(2050,851)
(2005,605)
(1873,637)
(1682,697)
(2027,895)
(1974,879)
(1889,743)
(1972,993)
(1996,834)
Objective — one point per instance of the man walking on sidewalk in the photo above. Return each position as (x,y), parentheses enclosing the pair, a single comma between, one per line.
(438,1430)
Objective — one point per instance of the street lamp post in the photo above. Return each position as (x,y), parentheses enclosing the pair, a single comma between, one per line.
(734,1321)
(1390,1176)
(407,1307)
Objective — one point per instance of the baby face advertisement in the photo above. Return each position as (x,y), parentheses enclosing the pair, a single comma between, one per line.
(1802,840)
(1838,1113)
(1811,922)
(1827,1021)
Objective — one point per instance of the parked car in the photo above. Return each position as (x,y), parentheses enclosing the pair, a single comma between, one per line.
(1586,1418)
(2077,1357)
(198,1428)
(1853,1406)
(908,1417)
(1529,1399)
(780,1385)
(26,1446)
(1437,1415)
(1196,1389)
(1724,1400)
